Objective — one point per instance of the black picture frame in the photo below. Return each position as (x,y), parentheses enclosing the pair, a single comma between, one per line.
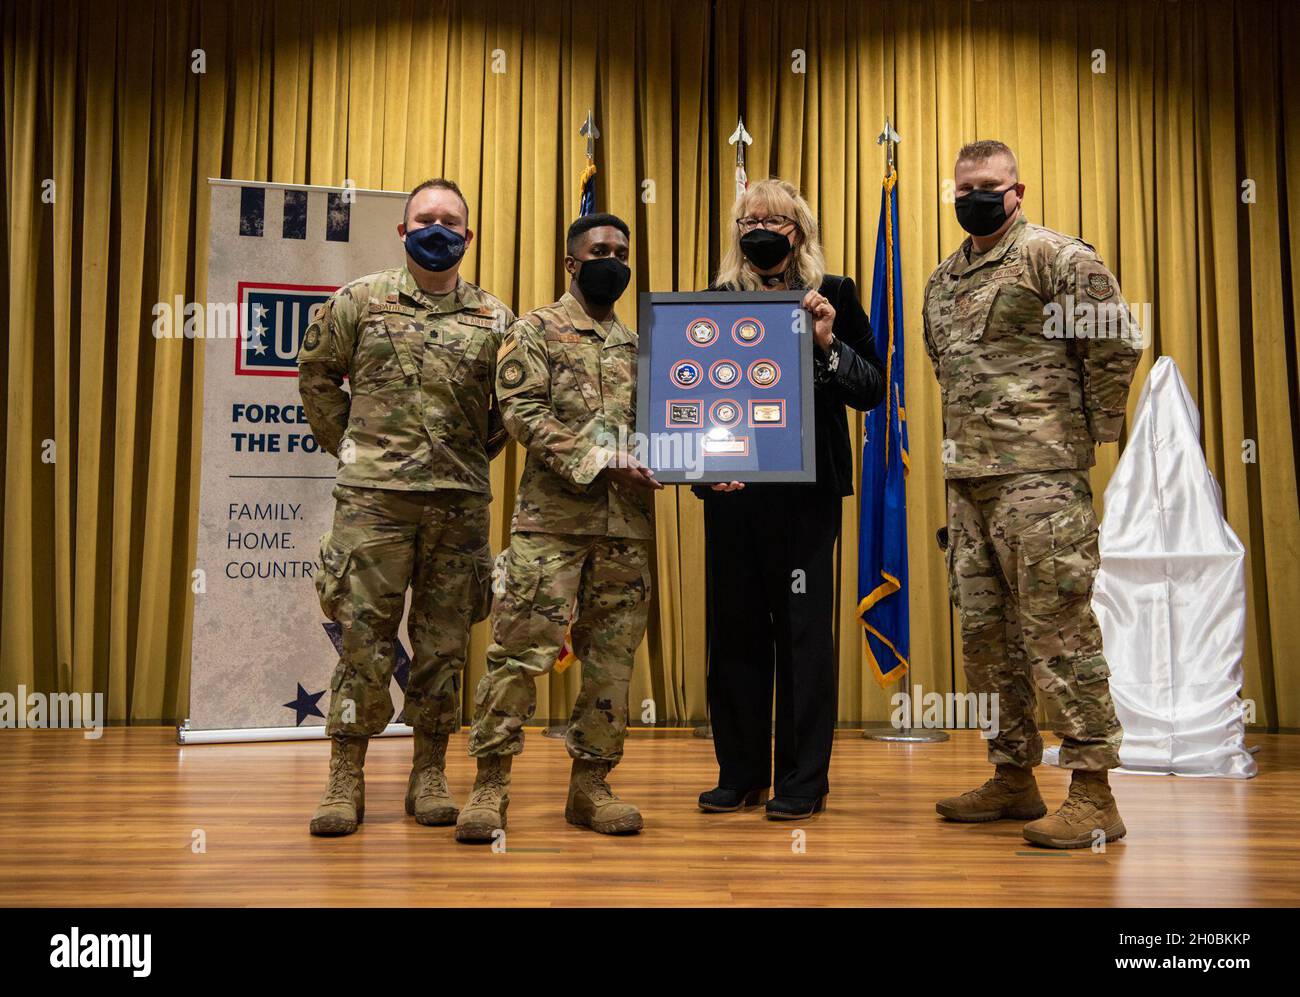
(779,305)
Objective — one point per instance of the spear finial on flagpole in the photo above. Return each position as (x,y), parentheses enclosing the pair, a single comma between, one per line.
(741,138)
(888,138)
(591,132)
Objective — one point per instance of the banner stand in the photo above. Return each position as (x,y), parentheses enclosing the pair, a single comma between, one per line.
(186,735)
(263,654)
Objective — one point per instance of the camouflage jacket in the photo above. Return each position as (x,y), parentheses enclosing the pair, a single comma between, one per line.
(1034,349)
(564,382)
(420,369)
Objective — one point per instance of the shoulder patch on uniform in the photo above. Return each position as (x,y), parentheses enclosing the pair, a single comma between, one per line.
(511,373)
(1099,286)
(312,339)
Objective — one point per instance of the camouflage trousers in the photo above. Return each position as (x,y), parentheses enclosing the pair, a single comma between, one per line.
(383,540)
(1022,556)
(545,576)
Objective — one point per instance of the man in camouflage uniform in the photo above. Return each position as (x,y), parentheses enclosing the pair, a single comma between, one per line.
(580,540)
(418,345)
(1025,399)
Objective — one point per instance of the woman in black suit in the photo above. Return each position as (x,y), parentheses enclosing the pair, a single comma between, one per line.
(770,547)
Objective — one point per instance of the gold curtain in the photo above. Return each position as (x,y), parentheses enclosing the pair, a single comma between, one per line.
(1158,131)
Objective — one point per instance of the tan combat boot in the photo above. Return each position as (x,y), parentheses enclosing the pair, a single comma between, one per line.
(1012,793)
(1089,808)
(485,810)
(428,799)
(592,803)
(344,804)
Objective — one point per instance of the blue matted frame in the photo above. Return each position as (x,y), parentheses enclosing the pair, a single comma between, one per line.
(664,343)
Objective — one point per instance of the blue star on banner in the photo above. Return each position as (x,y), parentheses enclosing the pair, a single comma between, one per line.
(305,705)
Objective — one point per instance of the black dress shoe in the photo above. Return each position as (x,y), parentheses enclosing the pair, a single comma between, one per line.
(794,807)
(725,801)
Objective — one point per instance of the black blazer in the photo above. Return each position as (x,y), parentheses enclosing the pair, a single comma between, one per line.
(859,381)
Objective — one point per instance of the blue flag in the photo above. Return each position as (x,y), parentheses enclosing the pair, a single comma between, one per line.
(882,543)
(587,190)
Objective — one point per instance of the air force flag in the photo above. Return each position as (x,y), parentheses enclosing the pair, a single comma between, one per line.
(882,544)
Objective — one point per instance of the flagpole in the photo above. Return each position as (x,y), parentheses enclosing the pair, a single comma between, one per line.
(904,732)
(740,138)
(586,205)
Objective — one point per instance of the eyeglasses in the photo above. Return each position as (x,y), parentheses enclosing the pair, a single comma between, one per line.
(772,223)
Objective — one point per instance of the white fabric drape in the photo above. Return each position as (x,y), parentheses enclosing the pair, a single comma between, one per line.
(1171,595)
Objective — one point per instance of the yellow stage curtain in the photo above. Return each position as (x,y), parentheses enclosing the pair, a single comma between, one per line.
(1139,126)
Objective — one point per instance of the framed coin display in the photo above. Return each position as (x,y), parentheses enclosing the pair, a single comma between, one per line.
(725,387)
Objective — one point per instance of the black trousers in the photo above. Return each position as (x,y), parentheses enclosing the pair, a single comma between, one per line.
(771,603)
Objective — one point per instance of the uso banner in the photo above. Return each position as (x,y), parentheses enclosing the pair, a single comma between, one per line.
(262,654)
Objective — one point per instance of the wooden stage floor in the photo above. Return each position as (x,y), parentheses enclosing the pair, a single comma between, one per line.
(112,821)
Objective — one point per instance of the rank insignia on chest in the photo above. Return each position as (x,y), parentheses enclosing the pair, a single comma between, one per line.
(1099,286)
(512,373)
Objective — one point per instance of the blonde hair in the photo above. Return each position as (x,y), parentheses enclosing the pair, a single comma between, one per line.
(986,148)
(776,197)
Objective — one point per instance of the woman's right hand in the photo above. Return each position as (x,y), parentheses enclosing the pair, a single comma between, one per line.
(727,486)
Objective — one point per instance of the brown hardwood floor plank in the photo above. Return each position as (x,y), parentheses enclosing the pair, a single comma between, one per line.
(112,821)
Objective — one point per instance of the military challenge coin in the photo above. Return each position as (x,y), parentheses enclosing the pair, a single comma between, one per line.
(724,373)
(764,373)
(747,331)
(724,412)
(702,332)
(686,373)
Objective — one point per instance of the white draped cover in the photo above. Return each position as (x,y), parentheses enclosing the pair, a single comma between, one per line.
(1171,596)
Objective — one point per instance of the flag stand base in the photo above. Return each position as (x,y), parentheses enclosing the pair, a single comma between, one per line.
(704,730)
(909,735)
(556,730)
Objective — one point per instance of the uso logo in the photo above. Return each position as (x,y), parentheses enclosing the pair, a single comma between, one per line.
(272,321)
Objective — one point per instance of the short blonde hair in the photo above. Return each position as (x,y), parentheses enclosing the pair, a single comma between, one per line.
(985,149)
(776,197)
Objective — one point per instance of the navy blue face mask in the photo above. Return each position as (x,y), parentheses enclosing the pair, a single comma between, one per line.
(435,247)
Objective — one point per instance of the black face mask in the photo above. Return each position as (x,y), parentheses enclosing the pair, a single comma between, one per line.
(981,212)
(603,281)
(764,249)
